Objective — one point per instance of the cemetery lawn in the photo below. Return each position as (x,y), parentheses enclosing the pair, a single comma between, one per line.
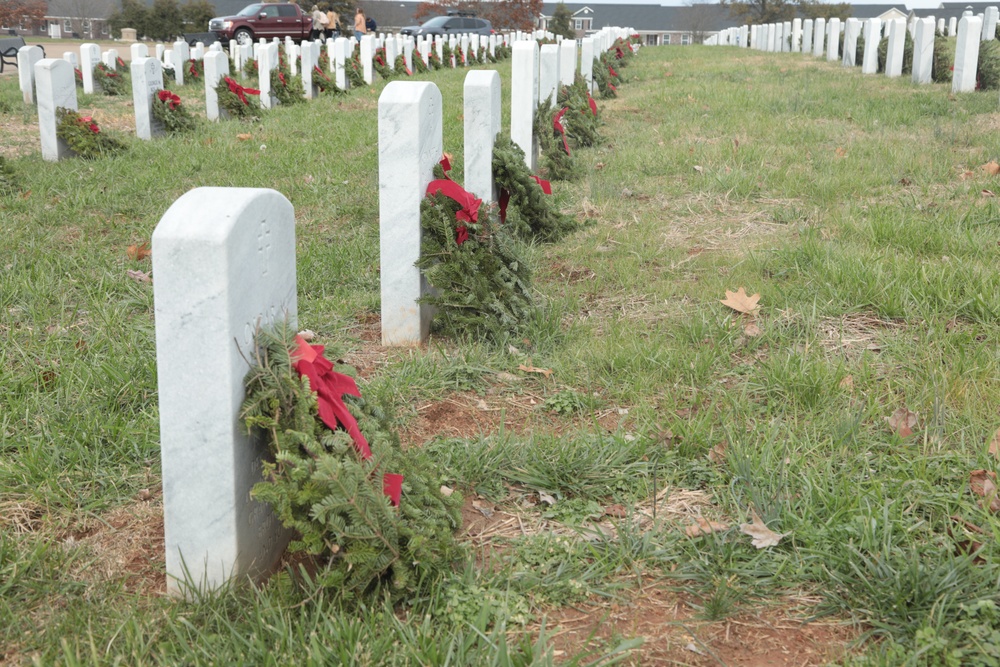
(858,208)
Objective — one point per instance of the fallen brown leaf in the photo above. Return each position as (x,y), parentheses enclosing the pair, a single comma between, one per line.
(902,422)
(752,330)
(244,137)
(905,181)
(717,454)
(994,448)
(137,253)
(703,526)
(841,151)
(991,168)
(139,276)
(740,302)
(847,383)
(762,535)
(531,369)
(699,169)
(987,193)
(966,175)
(983,484)
(615,511)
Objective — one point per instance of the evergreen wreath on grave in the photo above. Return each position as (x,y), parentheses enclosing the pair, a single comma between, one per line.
(434,60)
(419,67)
(502,52)
(623,52)
(988,68)
(557,158)
(382,66)
(10,182)
(355,74)
(489,56)
(195,69)
(112,83)
(606,78)
(943,64)
(83,135)
(482,288)
(526,196)
(325,84)
(883,53)
(239,102)
(459,56)
(323,62)
(859,51)
(78,75)
(446,54)
(119,62)
(400,65)
(171,113)
(251,69)
(582,122)
(372,513)
(287,88)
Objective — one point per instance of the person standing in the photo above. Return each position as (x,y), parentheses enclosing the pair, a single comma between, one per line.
(319,22)
(359,24)
(332,24)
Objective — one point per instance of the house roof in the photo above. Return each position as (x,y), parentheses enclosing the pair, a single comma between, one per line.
(874,11)
(648,17)
(81,9)
(948,9)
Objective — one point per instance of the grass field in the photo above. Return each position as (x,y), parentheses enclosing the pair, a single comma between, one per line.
(856,207)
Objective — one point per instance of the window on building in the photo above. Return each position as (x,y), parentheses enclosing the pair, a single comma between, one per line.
(685,39)
(104,28)
(652,40)
(67,25)
(85,25)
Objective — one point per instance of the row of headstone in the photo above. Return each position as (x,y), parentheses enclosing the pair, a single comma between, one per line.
(208,308)
(809,36)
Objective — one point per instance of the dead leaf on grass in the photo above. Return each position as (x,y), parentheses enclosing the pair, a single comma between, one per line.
(139,276)
(717,454)
(847,383)
(446,491)
(699,169)
(244,137)
(994,447)
(615,511)
(902,422)
(905,181)
(966,175)
(546,498)
(762,535)
(983,484)
(740,302)
(531,369)
(752,330)
(703,526)
(139,252)
(841,151)
(991,168)
(987,193)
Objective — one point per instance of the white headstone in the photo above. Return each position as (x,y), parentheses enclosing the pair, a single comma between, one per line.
(391,53)
(894,52)
(90,55)
(963,79)
(110,59)
(215,46)
(482,124)
(147,79)
(340,55)
(567,61)
(70,57)
(833,40)
(55,88)
(873,35)
(548,73)
(198,52)
(524,98)
(181,58)
(268,62)
(587,61)
(367,52)
(990,16)
(27,56)
(310,56)
(807,36)
(952,26)
(224,261)
(851,31)
(796,45)
(923,51)
(139,51)
(160,48)
(409,145)
(466,56)
(819,37)
(216,68)
(786,36)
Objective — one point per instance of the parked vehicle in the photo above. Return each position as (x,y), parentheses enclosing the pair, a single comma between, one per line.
(263,21)
(448,25)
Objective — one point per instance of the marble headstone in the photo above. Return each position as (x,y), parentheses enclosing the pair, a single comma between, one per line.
(894,51)
(27,56)
(873,34)
(147,79)
(482,124)
(55,88)
(367,52)
(224,261)
(548,73)
(216,68)
(90,55)
(409,145)
(923,51)
(819,37)
(966,54)
(524,98)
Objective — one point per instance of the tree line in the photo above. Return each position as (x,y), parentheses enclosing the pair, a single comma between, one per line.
(164,20)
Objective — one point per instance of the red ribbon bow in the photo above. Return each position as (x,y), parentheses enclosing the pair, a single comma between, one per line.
(558,126)
(469,211)
(320,72)
(330,388)
(592,103)
(408,72)
(445,163)
(240,91)
(613,72)
(281,78)
(172,100)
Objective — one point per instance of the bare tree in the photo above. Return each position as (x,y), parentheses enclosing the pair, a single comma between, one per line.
(700,19)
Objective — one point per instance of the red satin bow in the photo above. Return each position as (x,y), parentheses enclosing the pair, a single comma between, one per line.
(320,72)
(281,78)
(558,126)
(468,201)
(545,185)
(592,103)
(240,91)
(445,163)
(330,388)
(173,101)
(613,72)
(504,197)
(91,125)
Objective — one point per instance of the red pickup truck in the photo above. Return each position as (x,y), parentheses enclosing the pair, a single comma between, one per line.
(263,21)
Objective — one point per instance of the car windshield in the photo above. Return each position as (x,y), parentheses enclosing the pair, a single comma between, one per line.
(251,10)
(436,22)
